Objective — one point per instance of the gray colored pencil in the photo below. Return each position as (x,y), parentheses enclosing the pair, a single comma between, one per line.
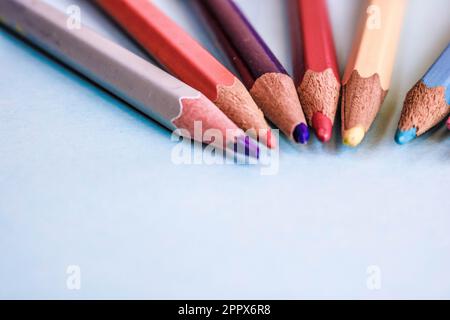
(143,85)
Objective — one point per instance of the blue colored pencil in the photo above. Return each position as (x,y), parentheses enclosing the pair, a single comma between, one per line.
(428,102)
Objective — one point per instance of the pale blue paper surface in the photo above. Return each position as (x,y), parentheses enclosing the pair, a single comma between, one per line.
(87,181)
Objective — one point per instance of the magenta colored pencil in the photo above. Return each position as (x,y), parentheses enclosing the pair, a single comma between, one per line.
(266,79)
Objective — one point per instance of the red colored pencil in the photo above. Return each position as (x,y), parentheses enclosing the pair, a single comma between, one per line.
(315,64)
(184,57)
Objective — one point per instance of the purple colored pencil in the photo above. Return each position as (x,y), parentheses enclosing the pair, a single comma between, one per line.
(266,79)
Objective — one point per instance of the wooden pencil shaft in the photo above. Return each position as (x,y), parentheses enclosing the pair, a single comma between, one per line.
(243,37)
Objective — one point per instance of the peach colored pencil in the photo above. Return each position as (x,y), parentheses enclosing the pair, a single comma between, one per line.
(368,74)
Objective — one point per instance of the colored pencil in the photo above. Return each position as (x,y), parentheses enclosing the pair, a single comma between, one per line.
(184,57)
(146,87)
(448,123)
(315,64)
(264,76)
(368,74)
(428,102)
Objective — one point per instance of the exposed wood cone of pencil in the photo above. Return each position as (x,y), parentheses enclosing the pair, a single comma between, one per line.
(185,58)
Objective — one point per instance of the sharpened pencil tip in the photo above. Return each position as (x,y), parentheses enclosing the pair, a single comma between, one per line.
(301,133)
(322,126)
(245,145)
(353,136)
(403,137)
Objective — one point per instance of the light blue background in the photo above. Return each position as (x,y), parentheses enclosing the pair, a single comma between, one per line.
(85,180)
